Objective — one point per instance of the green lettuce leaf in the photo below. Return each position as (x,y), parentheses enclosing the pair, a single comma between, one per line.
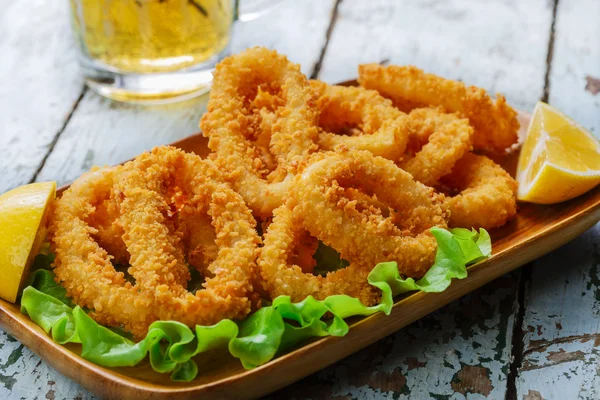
(276,328)
(457,249)
(259,337)
(43,280)
(51,314)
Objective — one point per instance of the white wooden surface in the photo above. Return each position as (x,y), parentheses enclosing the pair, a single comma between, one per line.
(496,44)
(561,354)
(465,350)
(40,84)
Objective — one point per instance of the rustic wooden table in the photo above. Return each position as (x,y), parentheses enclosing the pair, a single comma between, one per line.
(532,334)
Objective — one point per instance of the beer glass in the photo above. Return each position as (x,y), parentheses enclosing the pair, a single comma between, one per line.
(155,50)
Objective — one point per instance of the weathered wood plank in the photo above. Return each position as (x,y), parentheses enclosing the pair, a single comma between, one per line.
(575,75)
(500,46)
(562,319)
(39,84)
(104,132)
(562,323)
(24,376)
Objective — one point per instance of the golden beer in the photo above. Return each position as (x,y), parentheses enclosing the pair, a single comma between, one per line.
(155,50)
(152,35)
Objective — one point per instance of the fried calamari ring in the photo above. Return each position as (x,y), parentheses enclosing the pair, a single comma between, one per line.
(362,236)
(152,233)
(486,195)
(318,204)
(283,276)
(438,140)
(381,127)
(84,268)
(237,81)
(157,255)
(306,245)
(495,124)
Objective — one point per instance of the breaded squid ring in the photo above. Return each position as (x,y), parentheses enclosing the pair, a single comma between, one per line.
(486,196)
(84,268)
(495,124)
(361,236)
(442,139)
(148,219)
(381,126)
(283,276)
(237,81)
(158,265)
(317,203)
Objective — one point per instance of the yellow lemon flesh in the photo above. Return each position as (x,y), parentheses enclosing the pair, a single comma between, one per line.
(559,159)
(23,217)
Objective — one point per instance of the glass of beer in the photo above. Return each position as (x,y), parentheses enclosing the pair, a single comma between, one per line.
(155,50)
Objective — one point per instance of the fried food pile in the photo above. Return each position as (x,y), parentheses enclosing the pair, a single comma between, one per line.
(364,170)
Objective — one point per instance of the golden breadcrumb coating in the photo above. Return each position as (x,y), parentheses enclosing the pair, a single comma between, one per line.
(441,140)
(236,82)
(380,126)
(495,123)
(487,193)
(153,192)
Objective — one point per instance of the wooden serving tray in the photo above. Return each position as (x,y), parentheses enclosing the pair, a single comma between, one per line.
(535,231)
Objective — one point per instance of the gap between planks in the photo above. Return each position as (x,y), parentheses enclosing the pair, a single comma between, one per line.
(518,334)
(550,53)
(334,16)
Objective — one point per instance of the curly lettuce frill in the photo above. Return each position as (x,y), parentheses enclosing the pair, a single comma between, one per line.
(257,339)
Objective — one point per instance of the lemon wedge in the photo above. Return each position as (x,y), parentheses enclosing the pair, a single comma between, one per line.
(559,159)
(23,217)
